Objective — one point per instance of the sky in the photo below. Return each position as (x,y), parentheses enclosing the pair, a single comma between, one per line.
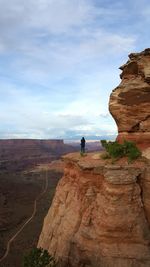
(59,62)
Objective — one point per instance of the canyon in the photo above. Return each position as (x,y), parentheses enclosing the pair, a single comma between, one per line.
(100,214)
(19,154)
(24,166)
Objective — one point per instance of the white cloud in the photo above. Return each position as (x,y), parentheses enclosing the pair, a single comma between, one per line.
(59,57)
(23,21)
(28,117)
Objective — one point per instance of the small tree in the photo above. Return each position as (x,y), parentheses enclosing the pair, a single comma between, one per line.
(131,150)
(38,257)
(116,150)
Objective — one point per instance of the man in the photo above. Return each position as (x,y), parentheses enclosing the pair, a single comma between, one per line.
(82,145)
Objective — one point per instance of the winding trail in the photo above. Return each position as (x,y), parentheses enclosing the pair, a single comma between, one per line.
(28,221)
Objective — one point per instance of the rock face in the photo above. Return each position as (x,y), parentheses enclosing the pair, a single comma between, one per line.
(130,101)
(100,216)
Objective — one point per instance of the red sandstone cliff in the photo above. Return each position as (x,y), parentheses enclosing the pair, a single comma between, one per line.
(100,215)
(130,101)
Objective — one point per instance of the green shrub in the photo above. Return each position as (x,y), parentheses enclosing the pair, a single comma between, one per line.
(116,150)
(131,150)
(104,143)
(105,156)
(38,257)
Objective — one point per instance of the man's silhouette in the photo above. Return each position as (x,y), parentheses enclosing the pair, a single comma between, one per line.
(82,145)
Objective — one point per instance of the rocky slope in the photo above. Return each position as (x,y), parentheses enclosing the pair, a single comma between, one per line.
(100,215)
(130,101)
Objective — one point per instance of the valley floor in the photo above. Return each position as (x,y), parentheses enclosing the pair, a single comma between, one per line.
(18,192)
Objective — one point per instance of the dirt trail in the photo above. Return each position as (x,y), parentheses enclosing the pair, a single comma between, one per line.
(28,221)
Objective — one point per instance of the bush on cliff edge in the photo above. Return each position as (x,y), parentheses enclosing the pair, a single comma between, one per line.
(38,257)
(115,150)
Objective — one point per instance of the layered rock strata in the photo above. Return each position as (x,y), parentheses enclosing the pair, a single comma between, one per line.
(130,101)
(100,216)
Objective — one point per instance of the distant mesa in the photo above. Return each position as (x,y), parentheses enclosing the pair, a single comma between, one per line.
(130,101)
(19,154)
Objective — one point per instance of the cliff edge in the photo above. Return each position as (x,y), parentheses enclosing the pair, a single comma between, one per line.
(100,215)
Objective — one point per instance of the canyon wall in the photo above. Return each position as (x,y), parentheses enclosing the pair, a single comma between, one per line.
(100,215)
(18,154)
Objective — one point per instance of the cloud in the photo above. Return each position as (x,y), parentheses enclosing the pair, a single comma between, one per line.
(53,38)
(25,115)
(38,19)
(41,21)
(59,61)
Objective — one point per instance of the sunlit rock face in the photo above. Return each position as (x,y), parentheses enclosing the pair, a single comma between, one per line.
(130,101)
(100,215)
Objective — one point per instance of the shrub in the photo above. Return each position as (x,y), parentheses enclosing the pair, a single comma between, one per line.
(116,150)
(105,156)
(104,143)
(38,257)
(131,150)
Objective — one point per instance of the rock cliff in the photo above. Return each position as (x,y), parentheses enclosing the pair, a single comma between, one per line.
(100,215)
(130,101)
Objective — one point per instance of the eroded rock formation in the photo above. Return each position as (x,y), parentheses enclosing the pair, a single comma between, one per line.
(130,101)
(100,216)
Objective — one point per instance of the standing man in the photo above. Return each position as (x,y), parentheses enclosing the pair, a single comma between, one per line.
(82,145)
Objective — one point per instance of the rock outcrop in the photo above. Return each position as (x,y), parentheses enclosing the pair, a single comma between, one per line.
(130,101)
(100,215)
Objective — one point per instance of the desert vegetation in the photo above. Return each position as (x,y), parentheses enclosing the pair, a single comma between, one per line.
(115,150)
(38,257)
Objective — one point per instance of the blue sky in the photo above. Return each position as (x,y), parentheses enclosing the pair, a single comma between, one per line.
(59,62)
